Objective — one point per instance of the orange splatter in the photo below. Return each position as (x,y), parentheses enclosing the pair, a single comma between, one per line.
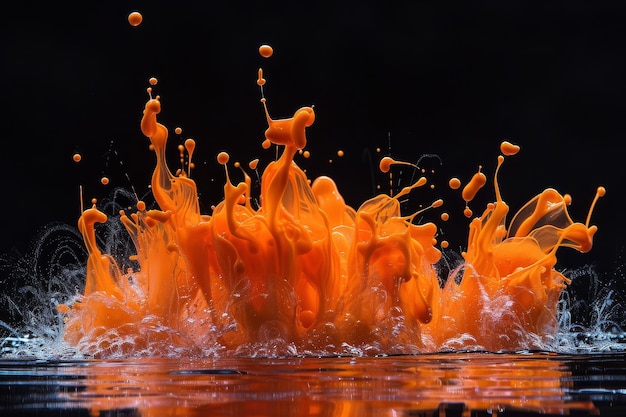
(306,270)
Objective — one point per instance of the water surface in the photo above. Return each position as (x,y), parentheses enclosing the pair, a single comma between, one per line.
(454,384)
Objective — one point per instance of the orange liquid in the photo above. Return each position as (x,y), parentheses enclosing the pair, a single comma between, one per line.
(304,272)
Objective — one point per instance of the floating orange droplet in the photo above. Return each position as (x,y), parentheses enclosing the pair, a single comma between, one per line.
(266,51)
(77,157)
(445,217)
(223,158)
(340,153)
(454,183)
(508,149)
(476,183)
(385,164)
(178,130)
(104,180)
(253,164)
(135,18)
(153,81)
(190,145)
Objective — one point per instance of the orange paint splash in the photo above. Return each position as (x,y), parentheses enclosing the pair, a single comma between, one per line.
(305,272)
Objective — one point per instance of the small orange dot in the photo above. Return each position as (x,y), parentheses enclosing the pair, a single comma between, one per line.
(135,18)
(153,81)
(454,183)
(104,180)
(77,157)
(266,51)
(223,158)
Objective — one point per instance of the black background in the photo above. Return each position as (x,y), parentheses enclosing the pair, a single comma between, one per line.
(451,79)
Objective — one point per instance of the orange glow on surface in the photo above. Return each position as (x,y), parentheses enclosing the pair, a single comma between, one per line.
(305,272)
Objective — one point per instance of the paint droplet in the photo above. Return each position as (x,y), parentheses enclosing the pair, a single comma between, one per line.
(223,158)
(266,51)
(508,149)
(135,18)
(454,183)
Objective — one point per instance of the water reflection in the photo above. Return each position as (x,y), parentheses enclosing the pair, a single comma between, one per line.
(459,384)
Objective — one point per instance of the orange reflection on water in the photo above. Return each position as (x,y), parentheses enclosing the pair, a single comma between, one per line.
(337,387)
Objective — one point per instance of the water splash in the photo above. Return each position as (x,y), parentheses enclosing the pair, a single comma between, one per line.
(301,272)
(53,274)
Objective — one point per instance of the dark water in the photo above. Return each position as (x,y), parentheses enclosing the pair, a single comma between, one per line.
(454,384)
